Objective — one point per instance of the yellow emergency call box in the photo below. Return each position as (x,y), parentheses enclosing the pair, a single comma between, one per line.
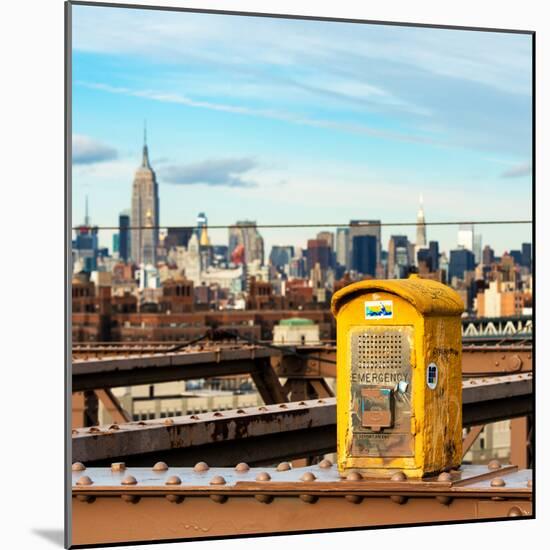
(399,379)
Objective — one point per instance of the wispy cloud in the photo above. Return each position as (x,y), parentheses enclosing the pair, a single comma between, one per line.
(517,171)
(227,172)
(87,150)
(287,116)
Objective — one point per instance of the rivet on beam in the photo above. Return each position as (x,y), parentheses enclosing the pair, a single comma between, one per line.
(78,467)
(173,480)
(444,477)
(160,467)
(354,476)
(515,512)
(217,480)
(399,476)
(201,467)
(325,463)
(494,465)
(118,466)
(263,476)
(129,480)
(498,482)
(283,467)
(310,499)
(264,499)
(242,467)
(355,499)
(84,480)
(308,476)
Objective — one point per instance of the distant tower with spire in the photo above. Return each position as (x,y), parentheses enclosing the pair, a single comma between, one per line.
(145,211)
(420,226)
(86,215)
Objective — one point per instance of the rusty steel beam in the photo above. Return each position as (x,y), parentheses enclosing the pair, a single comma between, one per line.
(262,434)
(266,434)
(113,406)
(496,398)
(92,374)
(520,444)
(471,438)
(166,503)
(320,361)
(313,362)
(494,360)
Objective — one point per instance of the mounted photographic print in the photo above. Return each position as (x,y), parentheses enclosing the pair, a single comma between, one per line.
(300,282)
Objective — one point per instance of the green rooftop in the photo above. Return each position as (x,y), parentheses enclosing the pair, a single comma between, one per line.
(296,322)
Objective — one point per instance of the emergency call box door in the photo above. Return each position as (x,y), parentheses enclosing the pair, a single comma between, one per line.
(381,389)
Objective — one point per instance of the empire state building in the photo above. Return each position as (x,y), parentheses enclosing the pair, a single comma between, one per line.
(145,212)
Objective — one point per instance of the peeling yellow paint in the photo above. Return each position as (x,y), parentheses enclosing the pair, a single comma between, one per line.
(428,313)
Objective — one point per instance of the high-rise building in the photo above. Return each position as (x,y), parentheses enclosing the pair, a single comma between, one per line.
(516,254)
(246,234)
(365,227)
(420,226)
(342,246)
(327,236)
(478,255)
(461,260)
(86,245)
(488,255)
(145,212)
(202,230)
(429,256)
(526,255)
(318,252)
(177,236)
(116,245)
(123,236)
(398,257)
(364,249)
(466,236)
(434,254)
(280,256)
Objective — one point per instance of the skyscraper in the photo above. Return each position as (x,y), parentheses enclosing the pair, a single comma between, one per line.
(461,260)
(478,253)
(318,252)
(364,227)
(364,254)
(202,229)
(420,226)
(526,254)
(398,256)
(280,256)
(488,255)
(466,236)
(123,236)
(145,211)
(342,246)
(246,234)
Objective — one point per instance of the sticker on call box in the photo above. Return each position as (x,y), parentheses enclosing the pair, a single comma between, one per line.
(379,309)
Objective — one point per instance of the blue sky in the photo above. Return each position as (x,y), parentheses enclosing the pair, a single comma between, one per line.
(287,121)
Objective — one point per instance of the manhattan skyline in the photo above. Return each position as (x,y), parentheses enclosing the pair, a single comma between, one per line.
(287,121)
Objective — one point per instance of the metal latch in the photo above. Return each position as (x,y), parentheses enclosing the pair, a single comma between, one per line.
(376,408)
